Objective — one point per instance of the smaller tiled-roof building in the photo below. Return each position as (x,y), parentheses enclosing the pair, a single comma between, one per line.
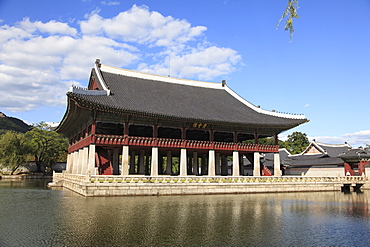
(318,159)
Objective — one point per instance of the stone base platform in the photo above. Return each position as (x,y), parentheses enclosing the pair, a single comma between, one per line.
(196,185)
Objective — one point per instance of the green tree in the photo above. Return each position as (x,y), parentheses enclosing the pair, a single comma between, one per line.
(14,150)
(46,146)
(297,142)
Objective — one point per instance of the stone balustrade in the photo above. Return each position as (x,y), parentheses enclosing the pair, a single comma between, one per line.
(208,179)
(134,185)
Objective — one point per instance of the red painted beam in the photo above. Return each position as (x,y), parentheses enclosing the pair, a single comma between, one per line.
(116,140)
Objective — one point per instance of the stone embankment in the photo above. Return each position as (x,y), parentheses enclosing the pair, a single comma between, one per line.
(25,177)
(198,185)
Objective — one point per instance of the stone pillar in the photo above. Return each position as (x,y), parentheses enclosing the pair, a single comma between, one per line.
(77,167)
(141,168)
(75,162)
(211,163)
(91,162)
(257,164)
(277,171)
(236,168)
(86,161)
(132,162)
(80,160)
(124,168)
(115,162)
(183,162)
(195,163)
(69,163)
(169,163)
(154,162)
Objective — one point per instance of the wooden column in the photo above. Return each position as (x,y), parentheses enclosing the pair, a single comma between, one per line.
(276,139)
(115,161)
(224,168)
(255,138)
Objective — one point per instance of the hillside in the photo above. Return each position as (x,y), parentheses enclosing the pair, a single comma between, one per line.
(11,123)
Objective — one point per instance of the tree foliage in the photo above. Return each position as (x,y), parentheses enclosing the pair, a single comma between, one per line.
(297,142)
(46,146)
(290,14)
(14,150)
(40,144)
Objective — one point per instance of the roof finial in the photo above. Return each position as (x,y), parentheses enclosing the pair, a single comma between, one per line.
(97,61)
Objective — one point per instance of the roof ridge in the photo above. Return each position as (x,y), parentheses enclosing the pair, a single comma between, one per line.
(213,85)
(333,145)
(144,75)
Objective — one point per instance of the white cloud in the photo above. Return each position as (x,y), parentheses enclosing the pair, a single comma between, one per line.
(141,26)
(51,27)
(356,139)
(39,61)
(307,105)
(110,3)
(205,63)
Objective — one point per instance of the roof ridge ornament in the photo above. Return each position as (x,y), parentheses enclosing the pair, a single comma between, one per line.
(100,78)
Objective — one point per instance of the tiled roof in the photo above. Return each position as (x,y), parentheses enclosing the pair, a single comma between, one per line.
(334,150)
(182,99)
(355,155)
(315,162)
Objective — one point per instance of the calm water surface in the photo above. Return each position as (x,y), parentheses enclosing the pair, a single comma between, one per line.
(33,215)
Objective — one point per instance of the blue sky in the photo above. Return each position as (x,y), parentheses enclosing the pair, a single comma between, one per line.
(324,73)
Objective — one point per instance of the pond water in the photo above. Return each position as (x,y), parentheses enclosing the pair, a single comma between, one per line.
(33,215)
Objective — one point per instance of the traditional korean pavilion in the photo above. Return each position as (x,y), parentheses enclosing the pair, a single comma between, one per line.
(127,122)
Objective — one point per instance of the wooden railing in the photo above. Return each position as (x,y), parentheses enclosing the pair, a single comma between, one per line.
(179,143)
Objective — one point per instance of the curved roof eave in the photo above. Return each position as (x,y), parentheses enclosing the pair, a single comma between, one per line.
(113,109)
